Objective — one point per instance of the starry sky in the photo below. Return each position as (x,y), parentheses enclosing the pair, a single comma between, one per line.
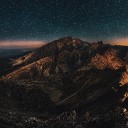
(45,20)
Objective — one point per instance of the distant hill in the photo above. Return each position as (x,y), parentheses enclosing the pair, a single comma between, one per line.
(7,55)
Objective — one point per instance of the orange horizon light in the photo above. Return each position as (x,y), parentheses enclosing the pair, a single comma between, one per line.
(119,41)
(21,44)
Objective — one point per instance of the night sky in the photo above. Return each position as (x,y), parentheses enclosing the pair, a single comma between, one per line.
(47,20)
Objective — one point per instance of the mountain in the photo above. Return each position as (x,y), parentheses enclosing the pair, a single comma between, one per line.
(69,74)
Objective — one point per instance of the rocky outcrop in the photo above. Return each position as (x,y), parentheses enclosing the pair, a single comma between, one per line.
(108,60)
(124,78)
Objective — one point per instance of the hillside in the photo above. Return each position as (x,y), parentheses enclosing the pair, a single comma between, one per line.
(69,74)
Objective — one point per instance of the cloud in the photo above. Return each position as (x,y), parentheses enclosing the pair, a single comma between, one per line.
(21,44)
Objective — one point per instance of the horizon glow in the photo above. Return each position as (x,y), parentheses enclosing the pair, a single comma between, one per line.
(21,44)
(26,44)
(119,41)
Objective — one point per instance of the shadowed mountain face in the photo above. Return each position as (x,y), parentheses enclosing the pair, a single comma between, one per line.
(69,74)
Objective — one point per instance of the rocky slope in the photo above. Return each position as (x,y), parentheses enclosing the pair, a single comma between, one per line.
(69,74)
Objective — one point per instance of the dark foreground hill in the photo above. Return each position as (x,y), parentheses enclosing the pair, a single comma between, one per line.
(69,83)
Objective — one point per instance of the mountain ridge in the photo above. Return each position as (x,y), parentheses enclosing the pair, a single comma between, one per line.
(70,74)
